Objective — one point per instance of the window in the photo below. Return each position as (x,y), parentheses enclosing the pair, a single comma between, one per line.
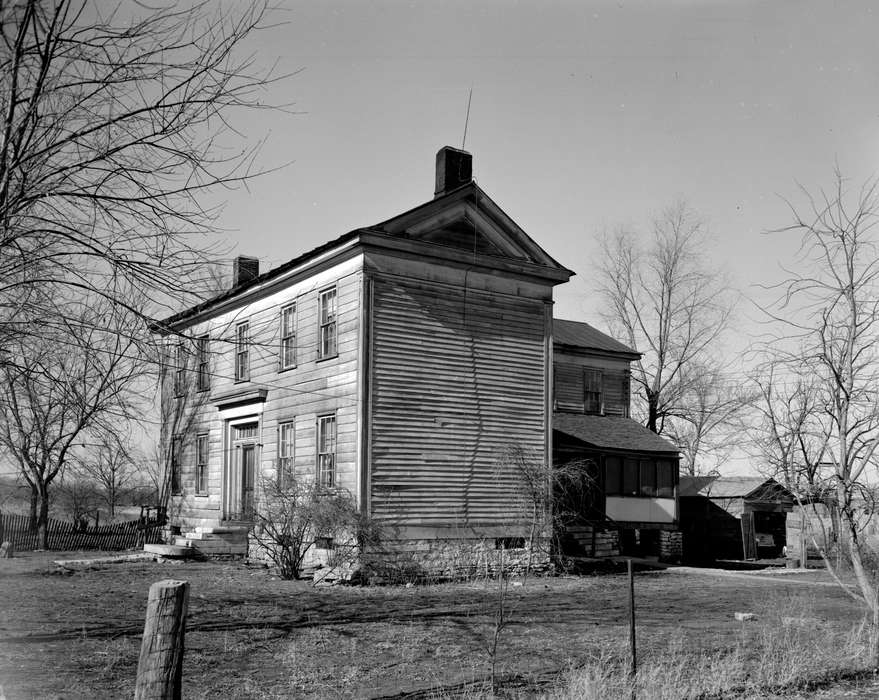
(648,478)
(509,542)
(665,479)
(201,464)
(287,357)
(242,352)
(327,320)
(202,366)
(176,454)
(631,485)
(324,543)
(613,476)
(326,450)
(286,445)
(592,387)
(180,370)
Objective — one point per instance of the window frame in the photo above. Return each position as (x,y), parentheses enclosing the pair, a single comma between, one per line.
(287,336)
(202,453)
(242,351)
(327,320)
(180,370)
(286,469)
(326,476)
(657,477)
(202,362)
(593,401)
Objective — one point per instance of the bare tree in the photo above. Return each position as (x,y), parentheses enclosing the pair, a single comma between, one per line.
(829,310)
(707,419)
(108,464)
(666,301)
(115,120)
(294,516)
(59,390)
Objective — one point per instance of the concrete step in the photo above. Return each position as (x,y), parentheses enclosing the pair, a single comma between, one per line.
(169,550)
(223,530)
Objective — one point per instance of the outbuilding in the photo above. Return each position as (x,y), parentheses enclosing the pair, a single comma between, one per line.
(734,517)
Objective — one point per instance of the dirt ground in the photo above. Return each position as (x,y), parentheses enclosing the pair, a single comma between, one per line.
(250,635)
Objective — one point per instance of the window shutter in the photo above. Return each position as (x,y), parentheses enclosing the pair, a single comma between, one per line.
(568,388)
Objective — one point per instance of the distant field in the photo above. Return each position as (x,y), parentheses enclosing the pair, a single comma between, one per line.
(77,635)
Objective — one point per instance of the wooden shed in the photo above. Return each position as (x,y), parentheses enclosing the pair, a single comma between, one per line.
(734,517)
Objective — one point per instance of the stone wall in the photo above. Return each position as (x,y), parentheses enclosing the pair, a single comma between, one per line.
(446,559)
(670,546)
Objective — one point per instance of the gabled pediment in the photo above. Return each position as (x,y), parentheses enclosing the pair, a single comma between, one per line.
(468,220)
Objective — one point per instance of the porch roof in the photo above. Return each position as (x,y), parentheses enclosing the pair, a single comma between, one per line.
(611,432)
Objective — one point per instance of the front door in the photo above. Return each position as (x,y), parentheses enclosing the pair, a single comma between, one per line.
(241,471)
(247,455)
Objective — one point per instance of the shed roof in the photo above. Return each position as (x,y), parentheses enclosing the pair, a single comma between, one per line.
(580,334)
(753,487)
(611,432)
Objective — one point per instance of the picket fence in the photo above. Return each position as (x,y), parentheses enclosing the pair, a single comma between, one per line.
(66,536)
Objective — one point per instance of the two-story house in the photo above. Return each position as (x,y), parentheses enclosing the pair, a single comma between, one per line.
(396,362)
(628,503)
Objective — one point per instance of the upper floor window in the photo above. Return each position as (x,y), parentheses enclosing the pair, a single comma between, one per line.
(286,448)
(201,464)
(592,381)
(326,450)
(180,370)
(327,320)
(242,352)
(288,337)
(202,364)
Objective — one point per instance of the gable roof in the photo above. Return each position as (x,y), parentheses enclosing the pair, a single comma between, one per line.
(497,238)
(751,487)
(611,432)
(582,335)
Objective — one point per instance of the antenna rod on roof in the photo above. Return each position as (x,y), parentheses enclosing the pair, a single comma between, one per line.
(467,119)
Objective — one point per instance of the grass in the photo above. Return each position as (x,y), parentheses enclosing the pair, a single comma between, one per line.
(787,648)
(250,635)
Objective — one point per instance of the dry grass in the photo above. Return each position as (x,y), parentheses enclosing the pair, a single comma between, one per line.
(787,647)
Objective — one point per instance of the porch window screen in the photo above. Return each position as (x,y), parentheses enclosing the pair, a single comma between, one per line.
(613,477)
(326,450)
(665,479)
(631,481)
(648,478)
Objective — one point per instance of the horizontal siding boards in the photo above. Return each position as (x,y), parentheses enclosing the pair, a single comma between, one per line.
(570,385)
(455,379)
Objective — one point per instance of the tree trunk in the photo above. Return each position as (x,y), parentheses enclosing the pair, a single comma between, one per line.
(43,522)
(652,410)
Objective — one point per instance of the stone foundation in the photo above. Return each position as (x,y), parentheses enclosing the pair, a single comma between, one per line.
(449,559)
(670,546)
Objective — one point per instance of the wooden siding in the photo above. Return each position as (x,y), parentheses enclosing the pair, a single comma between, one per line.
(456,376)
(313,387)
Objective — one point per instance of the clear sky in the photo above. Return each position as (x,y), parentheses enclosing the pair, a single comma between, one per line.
(585,115)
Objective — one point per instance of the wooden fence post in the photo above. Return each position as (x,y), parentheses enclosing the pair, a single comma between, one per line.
(160,666)
(633,669)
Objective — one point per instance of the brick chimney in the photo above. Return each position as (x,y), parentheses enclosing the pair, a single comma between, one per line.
(244,269)
(454,168)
